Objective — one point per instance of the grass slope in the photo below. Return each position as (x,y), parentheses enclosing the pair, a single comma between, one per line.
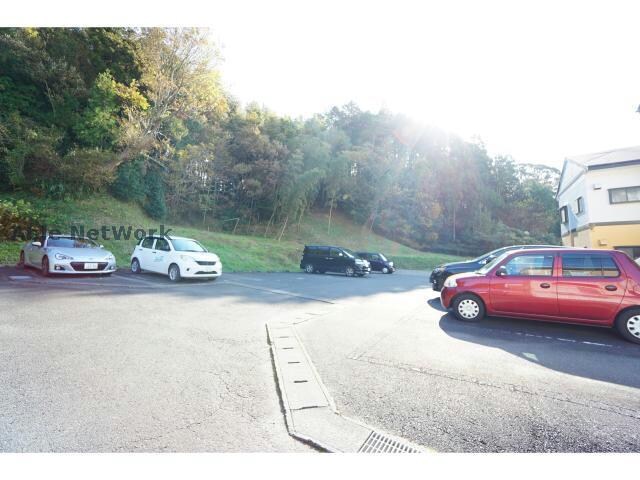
(238,252)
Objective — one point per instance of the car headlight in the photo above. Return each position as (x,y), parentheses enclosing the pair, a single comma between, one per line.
(186,258)
(450,282)
(391,264)
(110,258)
(62,256)
(438,269)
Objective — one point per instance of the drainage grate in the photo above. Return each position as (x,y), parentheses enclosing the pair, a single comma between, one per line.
(378,443)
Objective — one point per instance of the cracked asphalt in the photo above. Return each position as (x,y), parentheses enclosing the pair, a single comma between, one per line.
(138,364)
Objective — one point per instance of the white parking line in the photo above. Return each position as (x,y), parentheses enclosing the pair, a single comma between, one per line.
(546,337)
(597,344)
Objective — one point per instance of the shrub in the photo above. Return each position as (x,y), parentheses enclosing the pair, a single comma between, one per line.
(155,204)
(18,220)
(129,184)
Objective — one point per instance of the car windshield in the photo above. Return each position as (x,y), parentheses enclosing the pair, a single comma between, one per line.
(494,253)
(382,257)
(186,245)
(71,242)
(349,253)
(485,269)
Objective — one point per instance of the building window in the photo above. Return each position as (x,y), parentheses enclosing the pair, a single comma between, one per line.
(580,205)
(564,216)
(624,195)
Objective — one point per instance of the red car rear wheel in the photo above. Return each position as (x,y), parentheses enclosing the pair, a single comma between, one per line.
(628,325)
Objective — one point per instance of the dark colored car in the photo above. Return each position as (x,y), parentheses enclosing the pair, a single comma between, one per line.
(378,262)
(590,287)
(441,272)
(321,259)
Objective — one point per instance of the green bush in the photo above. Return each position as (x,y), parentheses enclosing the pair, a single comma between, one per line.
(129,184)
(18,220)
(155,205)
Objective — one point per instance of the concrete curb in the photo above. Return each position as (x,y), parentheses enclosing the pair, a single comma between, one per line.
(310,412)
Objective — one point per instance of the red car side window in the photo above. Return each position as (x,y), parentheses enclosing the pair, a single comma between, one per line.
(530,265)
(589,265)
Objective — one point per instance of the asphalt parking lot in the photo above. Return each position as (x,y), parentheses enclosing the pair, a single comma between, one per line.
(136,363)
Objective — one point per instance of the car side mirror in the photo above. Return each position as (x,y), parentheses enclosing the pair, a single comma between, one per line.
(36,244)
(502,271)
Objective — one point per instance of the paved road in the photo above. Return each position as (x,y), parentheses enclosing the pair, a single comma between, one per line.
(135,363)
(138,364)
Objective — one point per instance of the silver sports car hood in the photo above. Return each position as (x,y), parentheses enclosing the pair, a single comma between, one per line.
(82,253)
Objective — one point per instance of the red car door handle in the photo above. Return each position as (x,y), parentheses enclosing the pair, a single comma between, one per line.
(611,288)
(545,285)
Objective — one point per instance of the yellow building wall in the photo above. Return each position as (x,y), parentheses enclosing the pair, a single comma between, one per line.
(605,237)
(578,239)
(610,236)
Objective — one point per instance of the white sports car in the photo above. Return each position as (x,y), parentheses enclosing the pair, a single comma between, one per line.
(67,254)
(177,257)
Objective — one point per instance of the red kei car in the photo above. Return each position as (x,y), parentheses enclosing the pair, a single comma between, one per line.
(590,287)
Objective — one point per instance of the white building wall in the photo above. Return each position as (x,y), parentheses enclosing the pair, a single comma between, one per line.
(568,198)
(600,210)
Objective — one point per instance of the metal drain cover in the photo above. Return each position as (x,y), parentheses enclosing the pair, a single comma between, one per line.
(378,443)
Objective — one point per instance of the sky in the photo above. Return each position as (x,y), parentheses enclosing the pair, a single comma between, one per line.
(538,81)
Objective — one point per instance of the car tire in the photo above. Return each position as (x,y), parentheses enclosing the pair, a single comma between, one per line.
(21,263)
(468,308)
(349,271)
(309,268)
(135,266)
(628,325)
(45,267)
(174,272)
(385,270)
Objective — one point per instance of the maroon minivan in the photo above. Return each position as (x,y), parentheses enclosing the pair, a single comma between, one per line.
(585,286)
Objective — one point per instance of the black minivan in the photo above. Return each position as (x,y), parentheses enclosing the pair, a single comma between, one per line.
(378,262)
(321,259)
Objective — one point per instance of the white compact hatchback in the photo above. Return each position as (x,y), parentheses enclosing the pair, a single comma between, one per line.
(177,257)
